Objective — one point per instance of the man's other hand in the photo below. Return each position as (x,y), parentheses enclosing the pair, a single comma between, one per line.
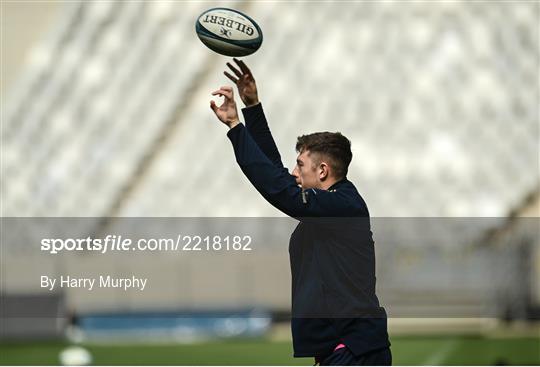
(244,81)
(227,112)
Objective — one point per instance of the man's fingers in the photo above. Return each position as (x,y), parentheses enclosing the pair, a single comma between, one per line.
(213,106)
(242,66)
(232,78)
(222,90)
(234,70)
(227,93)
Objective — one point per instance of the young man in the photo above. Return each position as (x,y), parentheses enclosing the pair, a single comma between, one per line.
(336,316)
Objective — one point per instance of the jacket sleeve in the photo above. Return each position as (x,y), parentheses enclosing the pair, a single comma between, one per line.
(257,126)
(279,188)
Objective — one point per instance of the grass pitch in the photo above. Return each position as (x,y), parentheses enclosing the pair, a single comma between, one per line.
(406,350)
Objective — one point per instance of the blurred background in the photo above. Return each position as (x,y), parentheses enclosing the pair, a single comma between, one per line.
(105,116)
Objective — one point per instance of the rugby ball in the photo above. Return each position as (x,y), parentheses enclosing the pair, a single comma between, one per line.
(229,32)
(75,356)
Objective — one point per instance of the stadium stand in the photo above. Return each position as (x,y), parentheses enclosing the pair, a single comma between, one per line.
(431,97)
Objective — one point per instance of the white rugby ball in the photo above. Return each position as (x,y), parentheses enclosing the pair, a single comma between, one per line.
(229,32)
(75,356)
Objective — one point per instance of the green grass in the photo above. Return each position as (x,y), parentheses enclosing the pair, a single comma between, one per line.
(412,350)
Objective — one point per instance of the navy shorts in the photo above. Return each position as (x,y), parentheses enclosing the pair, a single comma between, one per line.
(344,357)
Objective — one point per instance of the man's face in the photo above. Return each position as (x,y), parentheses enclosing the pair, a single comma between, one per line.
(307,172)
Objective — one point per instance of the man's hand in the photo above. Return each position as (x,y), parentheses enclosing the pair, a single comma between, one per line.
(244,81)
(227,112)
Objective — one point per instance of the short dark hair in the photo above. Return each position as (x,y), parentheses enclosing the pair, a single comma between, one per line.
(334,146)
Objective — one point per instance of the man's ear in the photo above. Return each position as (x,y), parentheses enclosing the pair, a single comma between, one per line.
(324,171)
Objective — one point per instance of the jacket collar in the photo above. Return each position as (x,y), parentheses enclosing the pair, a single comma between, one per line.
(337,184)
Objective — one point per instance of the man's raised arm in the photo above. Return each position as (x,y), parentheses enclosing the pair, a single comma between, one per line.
(255,119)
